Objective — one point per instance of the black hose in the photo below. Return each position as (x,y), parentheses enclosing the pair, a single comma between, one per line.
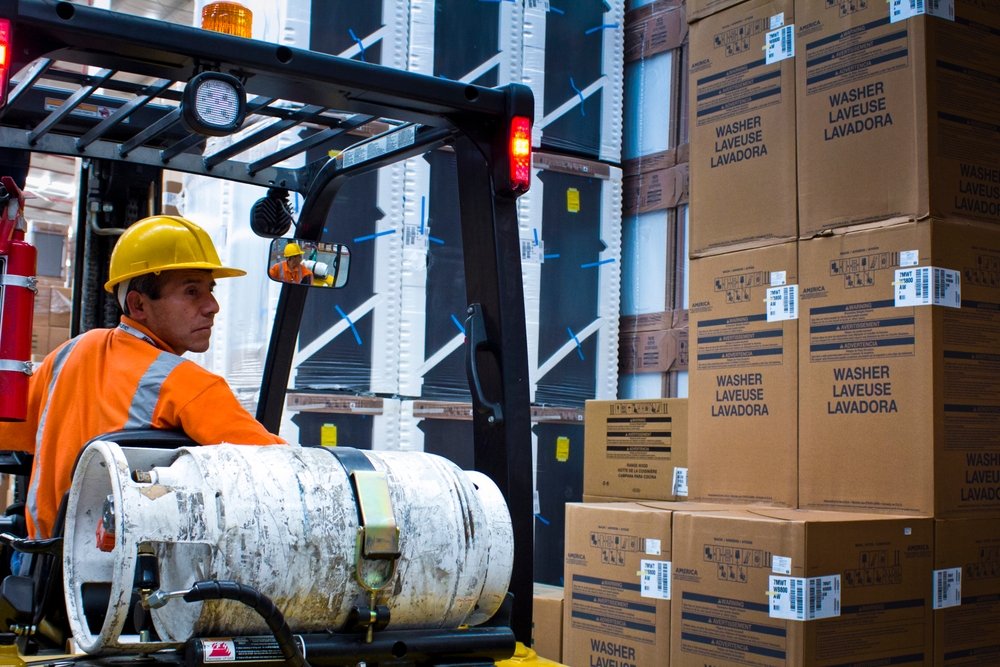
(260,603)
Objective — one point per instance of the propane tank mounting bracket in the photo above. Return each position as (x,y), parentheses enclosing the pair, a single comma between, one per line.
(380,534)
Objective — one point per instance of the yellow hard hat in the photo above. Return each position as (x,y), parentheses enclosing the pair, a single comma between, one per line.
(292,249)
(164,243)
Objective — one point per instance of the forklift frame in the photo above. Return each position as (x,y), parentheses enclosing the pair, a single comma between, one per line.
(94,83)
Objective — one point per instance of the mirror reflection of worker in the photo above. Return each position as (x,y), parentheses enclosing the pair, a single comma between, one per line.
(163,270)
(291,269)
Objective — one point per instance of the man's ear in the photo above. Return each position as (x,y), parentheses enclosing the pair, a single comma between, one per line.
(136,305)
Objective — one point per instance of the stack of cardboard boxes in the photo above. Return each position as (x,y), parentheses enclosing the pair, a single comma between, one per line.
(845,328)
(51,319)
(653,328)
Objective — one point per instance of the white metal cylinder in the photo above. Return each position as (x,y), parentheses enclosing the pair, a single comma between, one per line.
(282,520)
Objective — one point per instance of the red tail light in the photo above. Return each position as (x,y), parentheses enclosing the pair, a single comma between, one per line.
(520,153)
(4,59)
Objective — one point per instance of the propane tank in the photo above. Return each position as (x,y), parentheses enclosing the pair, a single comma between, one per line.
(286,521)
(18,261)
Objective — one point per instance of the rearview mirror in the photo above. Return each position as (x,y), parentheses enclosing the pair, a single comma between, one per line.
(308,263)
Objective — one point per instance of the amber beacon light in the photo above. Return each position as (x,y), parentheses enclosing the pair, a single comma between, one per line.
(230,18)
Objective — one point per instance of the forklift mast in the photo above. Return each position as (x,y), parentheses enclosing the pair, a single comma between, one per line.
(106,86)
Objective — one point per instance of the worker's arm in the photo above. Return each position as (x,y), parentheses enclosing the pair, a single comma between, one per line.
(210,414)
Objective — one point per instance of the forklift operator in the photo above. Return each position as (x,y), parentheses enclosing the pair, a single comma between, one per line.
(163,271)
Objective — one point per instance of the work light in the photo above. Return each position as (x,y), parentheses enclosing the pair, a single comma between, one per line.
(214,104)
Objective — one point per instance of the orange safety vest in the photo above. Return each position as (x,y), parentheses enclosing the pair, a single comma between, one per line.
(110,379)
(287,274)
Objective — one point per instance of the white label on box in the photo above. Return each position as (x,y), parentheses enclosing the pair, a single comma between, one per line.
(652,546)
(779,44)
(928,286)
(781,564)
(778,278)
(782,303)
(804,599)
(536,503)
(777,21)
(680,482)
(947,588)
(655,581)
(900,10)
(909,257)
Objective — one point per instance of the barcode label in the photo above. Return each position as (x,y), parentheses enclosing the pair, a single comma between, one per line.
(782,303)
(655,579)
(804,599)
(413,239)
(928,286)
(680,482)
(947,588)
(779,44)
(900,10)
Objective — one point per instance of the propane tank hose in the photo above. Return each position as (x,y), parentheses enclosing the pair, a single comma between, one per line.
(260,603)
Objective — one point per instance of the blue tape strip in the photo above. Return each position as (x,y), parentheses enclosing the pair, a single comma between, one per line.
(361,45)
(434,239)
(354,329)
(579,348)
(556,10)
(535,232)
(370,237)
(457,323)
(604,26)
(423,213)
(543,519)
(553,255)
(590,265)
(579,93)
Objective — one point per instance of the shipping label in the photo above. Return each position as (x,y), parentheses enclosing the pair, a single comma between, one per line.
(779,44)
(804,598)
(947,588)
(928,286)
(654,579)
(680,482)
(901,10)
(782,303)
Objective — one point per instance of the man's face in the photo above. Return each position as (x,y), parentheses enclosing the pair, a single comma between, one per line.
(294,261)
(183,315)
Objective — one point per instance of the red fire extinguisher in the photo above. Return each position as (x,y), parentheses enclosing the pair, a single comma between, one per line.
(18,262)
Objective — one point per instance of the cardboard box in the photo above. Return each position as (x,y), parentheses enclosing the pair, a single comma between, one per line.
(789,587)
(899,399)
(742,377)
(60,307)
(547,619)
(699,9)
(635,449)
(656,190)
(655,28)
(654,351)
(617,574)
(895,117)
(966,592)
(742,111)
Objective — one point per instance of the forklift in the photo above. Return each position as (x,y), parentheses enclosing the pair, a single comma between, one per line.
(132,96)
